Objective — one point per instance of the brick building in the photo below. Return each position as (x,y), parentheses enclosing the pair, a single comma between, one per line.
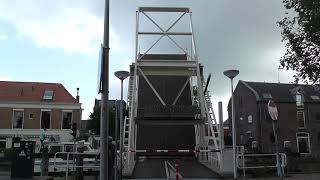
(298,122)
(28,107)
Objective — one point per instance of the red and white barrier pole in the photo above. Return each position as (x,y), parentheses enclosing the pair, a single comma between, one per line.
(171,151)
(176,165)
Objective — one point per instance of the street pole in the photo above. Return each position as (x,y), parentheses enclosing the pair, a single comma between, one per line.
(279,169)
(116,141)
(121,129)
(231,74)
(233,135)
(122,75)
(221,133)
(104,123)
(273,112)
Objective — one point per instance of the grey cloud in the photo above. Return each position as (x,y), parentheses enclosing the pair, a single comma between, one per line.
(229,34)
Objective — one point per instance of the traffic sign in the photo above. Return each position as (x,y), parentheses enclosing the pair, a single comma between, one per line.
(100,70)
(273,111)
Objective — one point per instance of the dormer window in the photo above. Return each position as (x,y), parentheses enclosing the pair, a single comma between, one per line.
(48,95)
(299,101)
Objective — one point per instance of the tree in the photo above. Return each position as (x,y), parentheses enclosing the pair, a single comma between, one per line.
(301,31)
(94,125)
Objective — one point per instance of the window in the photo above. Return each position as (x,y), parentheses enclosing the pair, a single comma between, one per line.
(48,95)
(299,99)
(301,119)
(17,119)
(267,96)
(315,97)
(250,119)
(3,143)
(45,119)
(303,142)
(30,116)
(66,119)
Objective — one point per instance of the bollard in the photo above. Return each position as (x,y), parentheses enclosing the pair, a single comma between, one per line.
(45,160)
(79,162)
(176,164)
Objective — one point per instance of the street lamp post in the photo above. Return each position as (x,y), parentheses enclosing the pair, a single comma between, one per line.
(231,74)
(116,139)
(122,75)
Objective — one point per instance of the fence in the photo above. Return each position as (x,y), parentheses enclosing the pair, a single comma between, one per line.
(258,161)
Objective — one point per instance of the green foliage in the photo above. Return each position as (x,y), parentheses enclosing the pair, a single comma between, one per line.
(301,31)
(94,125)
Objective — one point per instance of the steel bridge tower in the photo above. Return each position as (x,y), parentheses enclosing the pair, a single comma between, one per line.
(168,107)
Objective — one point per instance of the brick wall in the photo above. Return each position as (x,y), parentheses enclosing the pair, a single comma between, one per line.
(34,122)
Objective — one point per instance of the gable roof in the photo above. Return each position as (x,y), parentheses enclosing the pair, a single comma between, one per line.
(12,91)
(282,92)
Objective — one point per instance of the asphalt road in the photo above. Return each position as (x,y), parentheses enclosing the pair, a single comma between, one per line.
(155,168)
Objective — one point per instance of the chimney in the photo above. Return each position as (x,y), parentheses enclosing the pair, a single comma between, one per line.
(78,97)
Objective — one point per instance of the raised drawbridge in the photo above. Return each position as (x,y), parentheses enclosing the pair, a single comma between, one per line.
(170,113)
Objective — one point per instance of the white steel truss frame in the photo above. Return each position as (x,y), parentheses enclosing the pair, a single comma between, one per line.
(191,64)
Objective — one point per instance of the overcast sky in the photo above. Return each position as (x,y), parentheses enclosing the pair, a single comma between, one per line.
(59,41)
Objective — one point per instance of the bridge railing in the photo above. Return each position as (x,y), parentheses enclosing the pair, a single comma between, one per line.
(68,164)
(259,161)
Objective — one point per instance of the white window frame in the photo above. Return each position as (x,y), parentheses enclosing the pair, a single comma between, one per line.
(304,137)
(12,119)
(250,119)
(46,110)
(304,119)
(48,97)
(300,102)
(62,117)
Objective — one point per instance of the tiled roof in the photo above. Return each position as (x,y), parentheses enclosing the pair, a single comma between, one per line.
(284,92)
(33,92)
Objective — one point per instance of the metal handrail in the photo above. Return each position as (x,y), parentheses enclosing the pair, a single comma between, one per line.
(244,167)
(74,166)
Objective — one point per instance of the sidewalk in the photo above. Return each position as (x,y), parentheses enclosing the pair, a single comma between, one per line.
(311,176)
(34,178)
